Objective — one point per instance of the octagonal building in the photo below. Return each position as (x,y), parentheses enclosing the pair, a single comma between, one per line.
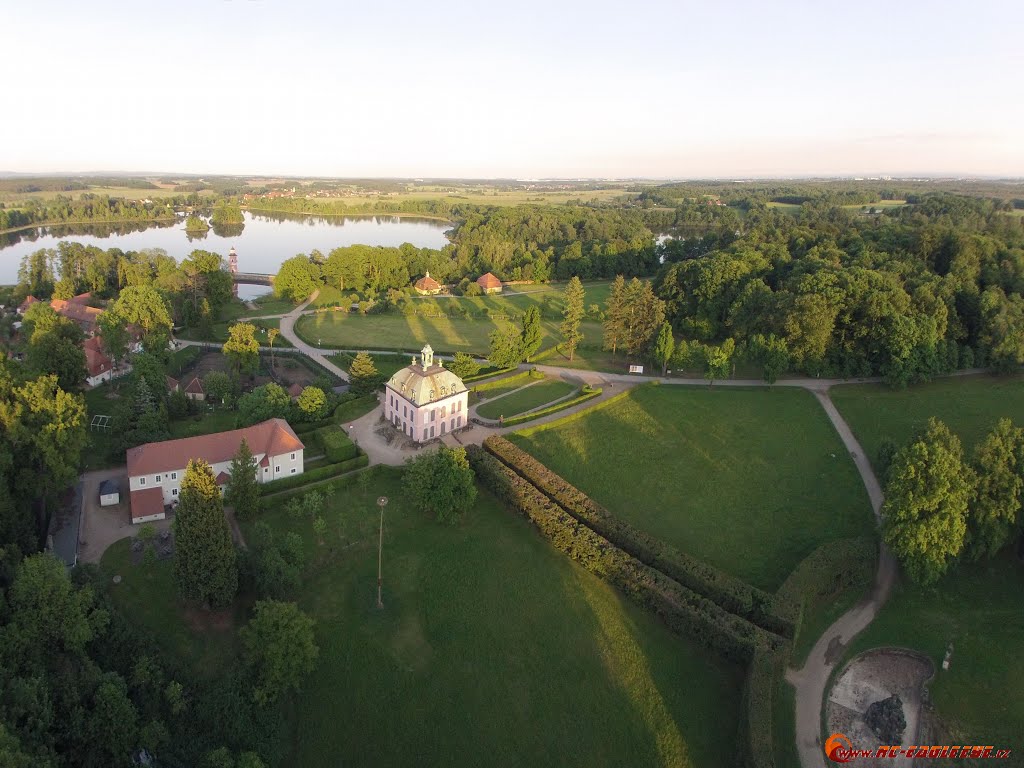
(425,400)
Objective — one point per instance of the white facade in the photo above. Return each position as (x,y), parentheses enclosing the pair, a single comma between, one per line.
(427,421)
(277,467)
(426,401)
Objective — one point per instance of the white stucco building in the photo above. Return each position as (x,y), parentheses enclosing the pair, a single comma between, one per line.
(425,400)
(155,470)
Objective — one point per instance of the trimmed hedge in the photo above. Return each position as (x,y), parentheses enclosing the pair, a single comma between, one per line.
(322,473)
(828,570)
(554,408)
(681,609)
(734,595)
(487,373)
(756,742)
(501,382)
(336,445)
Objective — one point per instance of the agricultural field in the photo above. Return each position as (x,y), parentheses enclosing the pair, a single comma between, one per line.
(750,480)
(533,394)
(491,643)
(482,195)
(969,405)
(976,608)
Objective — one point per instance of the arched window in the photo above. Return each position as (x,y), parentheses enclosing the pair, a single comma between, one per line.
(444,411)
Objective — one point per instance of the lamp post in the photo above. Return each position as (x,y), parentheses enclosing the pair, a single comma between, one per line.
(381,502)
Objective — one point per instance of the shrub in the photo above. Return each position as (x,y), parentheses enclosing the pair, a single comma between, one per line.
(337,447)
(486,373)
(732,594)
(681,609)
(502,382)
(298,481)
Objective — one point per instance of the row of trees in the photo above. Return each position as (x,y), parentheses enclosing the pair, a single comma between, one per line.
(940,506)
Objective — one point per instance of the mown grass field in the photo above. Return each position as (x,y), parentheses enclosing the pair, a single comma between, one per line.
(526,399)
(219,332)
(393,331)
(969,405)
(751,480)
(492,648)
(977,608)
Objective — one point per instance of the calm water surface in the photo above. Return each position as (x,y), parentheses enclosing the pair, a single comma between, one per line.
(263,243)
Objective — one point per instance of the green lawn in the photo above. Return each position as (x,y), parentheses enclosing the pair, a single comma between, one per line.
(204,423)
(492,648)
(394,331)
(387,365)
(750,480)
(219,332)
(205,642)
(970,406)
(977,608)
(526,399)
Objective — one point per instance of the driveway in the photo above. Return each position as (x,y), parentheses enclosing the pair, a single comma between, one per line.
(102,526)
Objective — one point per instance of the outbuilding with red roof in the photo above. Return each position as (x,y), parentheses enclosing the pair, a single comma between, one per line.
(161,466)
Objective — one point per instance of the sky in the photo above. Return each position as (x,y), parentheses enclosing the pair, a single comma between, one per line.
(523,89)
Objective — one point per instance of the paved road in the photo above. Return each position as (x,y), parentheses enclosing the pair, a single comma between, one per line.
(288,331)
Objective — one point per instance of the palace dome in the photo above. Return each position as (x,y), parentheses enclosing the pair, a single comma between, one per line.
(424,383)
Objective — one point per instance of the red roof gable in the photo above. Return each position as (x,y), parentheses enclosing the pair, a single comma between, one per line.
(96,359)
(426,283)
(488,281)
(194,387)
(147,502)
(272,438)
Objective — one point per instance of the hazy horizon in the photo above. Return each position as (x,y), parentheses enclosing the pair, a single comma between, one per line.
(663,91)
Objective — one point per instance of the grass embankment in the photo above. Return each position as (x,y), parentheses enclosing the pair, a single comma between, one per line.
(751,481)
(526,398)
(492,647)
(969,405)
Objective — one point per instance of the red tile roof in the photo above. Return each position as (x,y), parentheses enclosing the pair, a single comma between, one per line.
(172,384)
(82,298)
(28,302)
(488,281)
(147,502)
(80,313)
(96,359)
(222,478)
(426,283)
(194,387)
(272,437)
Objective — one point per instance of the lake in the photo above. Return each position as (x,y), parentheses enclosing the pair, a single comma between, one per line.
(263,243)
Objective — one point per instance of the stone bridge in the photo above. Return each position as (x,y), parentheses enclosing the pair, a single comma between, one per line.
(252,278)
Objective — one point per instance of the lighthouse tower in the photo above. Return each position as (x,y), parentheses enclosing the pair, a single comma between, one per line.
(233,268)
